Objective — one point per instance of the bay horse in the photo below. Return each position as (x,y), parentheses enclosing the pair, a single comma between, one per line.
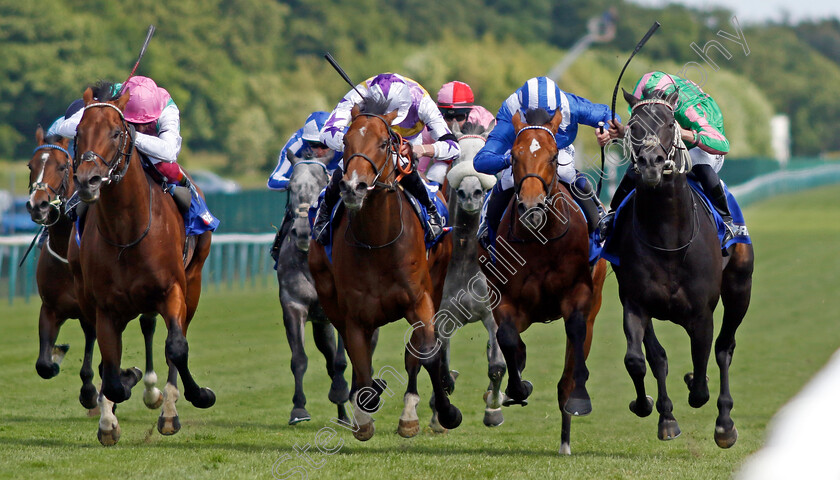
(298,297)
(466,297)
(380,272)
(671,268)
(131,259)
(50,173)
(539,266)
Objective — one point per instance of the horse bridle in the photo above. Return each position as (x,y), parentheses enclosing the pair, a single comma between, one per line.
(395,141)
(652,140)
(39,185)
(548,186)
(124,151)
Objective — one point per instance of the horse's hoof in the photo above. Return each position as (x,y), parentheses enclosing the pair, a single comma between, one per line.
(698,399)
(339,393)
(153,399)
(435,425)
(110,438)
(131,377)
(724,438)
(47,370)
(364,432)
(450,418)
(299,415)
(168,425)
(58,353)
(493,417)
(408,428)
(668,429)
(206,398)
(565,449)
(579,405)
(514,399)
(87,396)
(642,410)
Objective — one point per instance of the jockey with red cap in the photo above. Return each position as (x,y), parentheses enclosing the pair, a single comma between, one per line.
(156,119)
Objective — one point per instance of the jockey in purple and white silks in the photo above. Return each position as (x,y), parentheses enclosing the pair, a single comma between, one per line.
(416,110)
(305,144)
(539,93)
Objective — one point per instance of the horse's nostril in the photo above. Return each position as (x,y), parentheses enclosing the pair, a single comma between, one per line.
(342,186)
(28,206)
(521,208)
(361,187)
(44,205)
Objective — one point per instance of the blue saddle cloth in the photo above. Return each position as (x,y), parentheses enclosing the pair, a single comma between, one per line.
(420,210)
(197,219)
(742,235)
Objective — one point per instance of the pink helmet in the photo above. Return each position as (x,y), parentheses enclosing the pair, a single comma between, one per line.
(147,100)
(455,95)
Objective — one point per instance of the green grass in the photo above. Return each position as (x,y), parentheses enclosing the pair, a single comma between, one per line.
(238,348)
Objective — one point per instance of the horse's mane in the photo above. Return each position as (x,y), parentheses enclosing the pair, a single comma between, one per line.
(375,105)
(537,116)
(470,128)
(104,91)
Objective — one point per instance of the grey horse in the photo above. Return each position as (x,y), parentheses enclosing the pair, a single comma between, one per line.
(465,293)
(297,292)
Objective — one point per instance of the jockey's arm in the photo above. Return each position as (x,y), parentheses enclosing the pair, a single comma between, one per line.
(445,146)
(166,146)
(494,156)
(279,178)
(67,127)
(332,135)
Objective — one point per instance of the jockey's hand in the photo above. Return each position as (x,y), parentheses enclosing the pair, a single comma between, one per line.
(603,138)
(617,130)
(405,150)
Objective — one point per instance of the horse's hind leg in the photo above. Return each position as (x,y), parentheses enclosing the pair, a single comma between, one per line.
(496,368)
(735,294)
(294,319)
(88,394)
(668,427)
(513,348)
(109,430)
(49,355)
(701,332)
(168,422)
(635,325)
(324,335)
(152,397)
(409,424)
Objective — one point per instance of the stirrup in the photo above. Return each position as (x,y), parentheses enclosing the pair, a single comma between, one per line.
(729,232)
(320,229)
(605,225)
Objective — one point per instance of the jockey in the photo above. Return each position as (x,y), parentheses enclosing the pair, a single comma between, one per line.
(456,103)
(416,110)
(701,129)
(157,121)
(74,107)
(305,144)
(539,93)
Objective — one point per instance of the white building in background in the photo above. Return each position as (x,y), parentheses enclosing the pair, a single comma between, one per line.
(780,139)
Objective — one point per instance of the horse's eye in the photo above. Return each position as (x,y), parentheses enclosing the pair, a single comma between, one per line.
(116,133)
(62,167)
(384,145)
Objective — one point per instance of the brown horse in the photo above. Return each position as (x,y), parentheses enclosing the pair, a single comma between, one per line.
(540,268)
(50,171)
(380,272)
(132,258)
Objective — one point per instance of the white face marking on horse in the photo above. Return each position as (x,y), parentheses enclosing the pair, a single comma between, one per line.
(362,131)
(535,145)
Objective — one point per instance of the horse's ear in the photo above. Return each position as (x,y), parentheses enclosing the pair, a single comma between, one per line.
(518,124)
(673,98)
(355,112)
(88,96)
(631,100)
(456,129)
(390,116)
(554,124)
(39,136)
(291,156)
(489,129)
(124,99)
(64,142)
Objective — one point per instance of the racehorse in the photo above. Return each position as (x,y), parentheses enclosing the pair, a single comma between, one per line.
(131,258)
(539,266)
(50,171)
(671,268)
(465,294)
(381,272)
(298,297)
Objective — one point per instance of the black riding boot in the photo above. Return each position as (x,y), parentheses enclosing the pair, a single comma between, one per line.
(414,185)
(493,215)
(585,197)
(322,220)
(625,186)
(281,234)
(710,181)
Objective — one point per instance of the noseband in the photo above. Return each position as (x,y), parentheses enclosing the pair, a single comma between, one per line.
(39,184)
(127,138)
(395,141)
(547,186)
(652,140)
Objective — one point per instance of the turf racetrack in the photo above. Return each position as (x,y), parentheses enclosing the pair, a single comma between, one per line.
(238,348)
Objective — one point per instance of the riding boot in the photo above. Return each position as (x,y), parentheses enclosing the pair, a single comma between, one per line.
(627,184)
(281,233)
(320,230)
(182,193)
(584,195)
(414,185)
(718,197)
(494,209)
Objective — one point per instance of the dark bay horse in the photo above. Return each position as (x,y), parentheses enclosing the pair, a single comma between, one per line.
(50,173)
(672,269)
(131,259)
(540,268)
(298,297)
(380,272)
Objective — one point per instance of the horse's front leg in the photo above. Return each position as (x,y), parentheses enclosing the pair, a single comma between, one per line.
(575,309)
(324,335)
(49,355)
(409,424)
(294,319)
(88,395)
(669,429)
(425,345)
(635,324)
(168,421)
(364,395)
(174,312)
(511,326)
(701,332)
(493,397)
(152,397)
(116,383)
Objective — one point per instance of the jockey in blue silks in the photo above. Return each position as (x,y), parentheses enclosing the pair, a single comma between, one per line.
(304,144)
(540,93)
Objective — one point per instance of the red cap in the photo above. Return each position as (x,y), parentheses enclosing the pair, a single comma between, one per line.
(455,95)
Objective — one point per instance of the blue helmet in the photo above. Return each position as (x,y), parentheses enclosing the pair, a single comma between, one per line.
(539,92)
(312,128)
